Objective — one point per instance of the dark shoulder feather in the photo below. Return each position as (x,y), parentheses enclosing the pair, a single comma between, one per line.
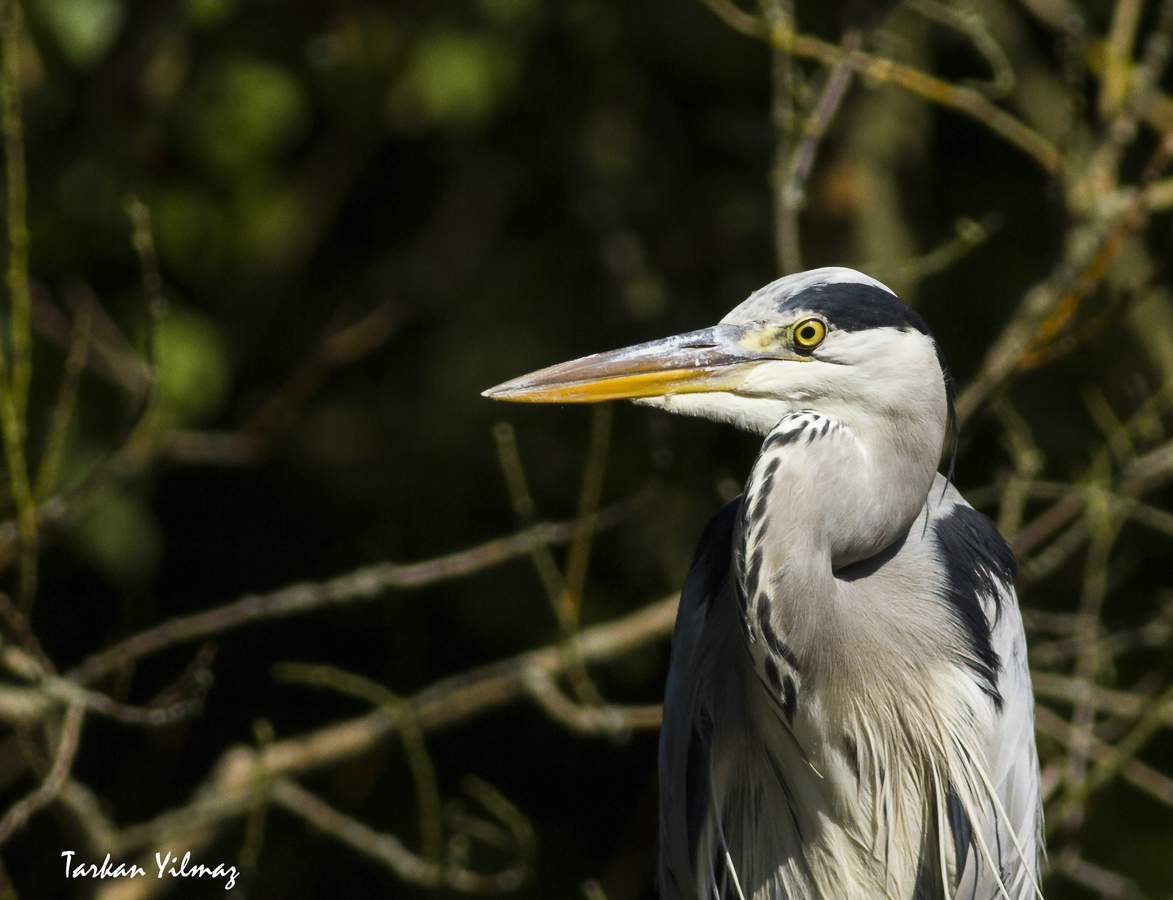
(686,734)
(979,565)
(713,556)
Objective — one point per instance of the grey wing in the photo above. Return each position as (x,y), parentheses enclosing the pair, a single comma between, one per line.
(686,733)
(1016,839)
(981,570)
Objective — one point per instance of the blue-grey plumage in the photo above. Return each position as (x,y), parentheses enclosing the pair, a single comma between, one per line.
(848,711)
(800,783)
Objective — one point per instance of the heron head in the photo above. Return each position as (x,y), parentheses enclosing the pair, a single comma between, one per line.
(832,340)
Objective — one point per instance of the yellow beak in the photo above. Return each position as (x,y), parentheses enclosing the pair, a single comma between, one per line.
(712,359)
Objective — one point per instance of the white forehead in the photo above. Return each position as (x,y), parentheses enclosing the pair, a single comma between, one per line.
(764,302)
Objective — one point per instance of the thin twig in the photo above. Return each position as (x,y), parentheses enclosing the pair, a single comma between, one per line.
(16,378)
(16,184)
(62,415)
(415,748)
(968,235)
(735,17)
(388,850)
(616,721)
(561,599)
(1117,59)
(7,889)
(790,189)
(1101,881)
(1105,528)
(110,355)
(25,705)
(525,511)
(785,102)
(257,817)
(19,625)
(973,27)
(578,557)
(1028,462)
(67,744)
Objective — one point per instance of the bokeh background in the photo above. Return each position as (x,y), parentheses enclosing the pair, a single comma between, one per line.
(466,190)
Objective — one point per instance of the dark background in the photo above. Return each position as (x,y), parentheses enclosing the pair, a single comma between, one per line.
(520,182)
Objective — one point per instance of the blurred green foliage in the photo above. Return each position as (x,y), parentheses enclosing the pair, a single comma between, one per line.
(191,367)
(84,29)
(453,79)
(117,533)
(242,113)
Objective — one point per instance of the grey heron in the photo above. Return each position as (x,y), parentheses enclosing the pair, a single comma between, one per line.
(848,711)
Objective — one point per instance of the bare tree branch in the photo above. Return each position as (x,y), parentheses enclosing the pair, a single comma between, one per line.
(227,792)
(885,71)
(362,584)
(20,812)
(388,850)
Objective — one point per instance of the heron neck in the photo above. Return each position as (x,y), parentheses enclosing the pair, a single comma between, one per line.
(824,494)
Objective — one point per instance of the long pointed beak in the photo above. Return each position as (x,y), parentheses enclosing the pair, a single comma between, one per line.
(713,359)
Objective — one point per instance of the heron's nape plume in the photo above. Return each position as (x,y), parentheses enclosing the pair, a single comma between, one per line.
(848,711)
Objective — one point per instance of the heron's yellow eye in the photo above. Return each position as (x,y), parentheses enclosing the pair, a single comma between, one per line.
(809,333)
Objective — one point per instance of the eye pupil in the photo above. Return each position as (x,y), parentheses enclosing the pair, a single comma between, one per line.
(808,333)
